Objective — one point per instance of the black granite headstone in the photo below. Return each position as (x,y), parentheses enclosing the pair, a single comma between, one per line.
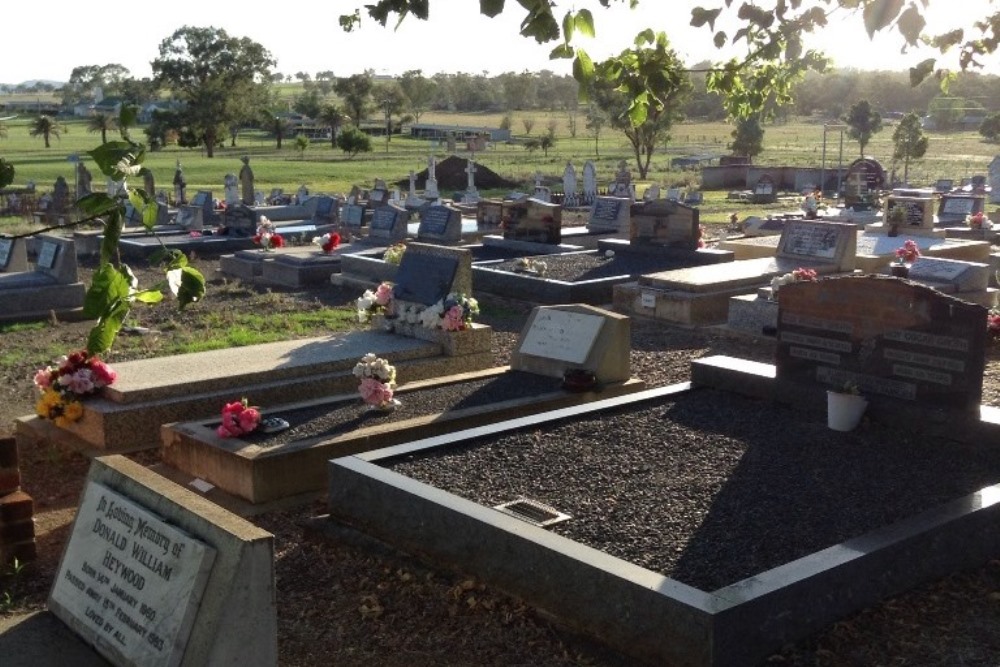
(424,278)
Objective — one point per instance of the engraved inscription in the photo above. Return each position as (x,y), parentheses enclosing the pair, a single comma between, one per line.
(817,341)
(814,355)
(894,354)
(562,335)
(836,326)
(921,374)
(930,340)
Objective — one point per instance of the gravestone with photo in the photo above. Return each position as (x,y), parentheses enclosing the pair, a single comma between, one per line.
(150,568)
(440,224)
(489,213)
(664,223)
(919,212)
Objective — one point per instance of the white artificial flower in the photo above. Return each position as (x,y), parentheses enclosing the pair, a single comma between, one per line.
(127,168)
(174,280)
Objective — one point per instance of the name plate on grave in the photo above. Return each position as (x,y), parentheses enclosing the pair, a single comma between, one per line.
(47,255)
(325,208)
(938,270)
(130,583)
(889,337)
(353,215)
(957,205)
(424,278)
(562,335)
(435,220)
(383,219)
(606,211)
(812,241)
(6,245)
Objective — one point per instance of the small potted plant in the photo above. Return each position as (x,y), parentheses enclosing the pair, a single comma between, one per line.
(894,219)
(844,408)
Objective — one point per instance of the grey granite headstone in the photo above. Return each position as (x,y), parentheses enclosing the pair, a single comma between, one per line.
(666,223)
(57,258)
(353,216)
(889,337)
(388,223)
(428,273)
(819,242)
(440,223)
(962,276)
(13,255)
(609,214)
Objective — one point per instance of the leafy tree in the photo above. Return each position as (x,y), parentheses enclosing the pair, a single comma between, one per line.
(137,91)
(863,122)
(393,102)
(990,128)
(332,117)
(645,126)
(529,124)
(102,122)
(6,173)
(551,127)
(308,103)
(546,142)
(356,91)
(518,91)
(303,76)
(419,92)
(507,121)
(596,120)
(909,142)
(946,111)
(301,144)
(748,137)
(85,80)
(532,145)
(279,128)
(46,126)
(217,76)
(352,141)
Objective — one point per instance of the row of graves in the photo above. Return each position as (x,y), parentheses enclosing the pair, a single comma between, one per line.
(154,564)
(48,287)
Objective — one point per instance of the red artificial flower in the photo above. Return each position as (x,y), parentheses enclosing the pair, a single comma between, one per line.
(333,240)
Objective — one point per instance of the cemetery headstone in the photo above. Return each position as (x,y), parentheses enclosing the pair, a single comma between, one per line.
(431,186)
(150,567)
(180,186)
(574,336)
(325,209)
(888,337)
(302,194)
(83,180)
(412,200)
(13,255)
(471,195)
(428,273)
(623,186)
(353,217)
(148,182)
(953,209)
(203,200)
(664,222)
(589,183)
(60,196)
(919,211)
(440,223)
(246,182)
(388,224)
(609,214)
(946,184)
(958,275)
(232,191)
(489,213)
(570,196)
(533,221)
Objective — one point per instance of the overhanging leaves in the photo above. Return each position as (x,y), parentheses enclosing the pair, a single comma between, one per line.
(880,13)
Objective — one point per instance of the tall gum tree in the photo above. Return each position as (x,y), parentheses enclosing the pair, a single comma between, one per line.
(218,77)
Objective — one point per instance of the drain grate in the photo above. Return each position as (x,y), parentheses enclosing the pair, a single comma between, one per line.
(532,511)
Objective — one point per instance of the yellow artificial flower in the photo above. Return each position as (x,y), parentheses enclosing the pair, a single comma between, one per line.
(73,411)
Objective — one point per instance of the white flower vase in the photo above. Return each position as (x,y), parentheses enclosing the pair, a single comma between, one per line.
(844,411)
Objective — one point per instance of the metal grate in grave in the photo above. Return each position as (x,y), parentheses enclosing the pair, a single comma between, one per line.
(532,511)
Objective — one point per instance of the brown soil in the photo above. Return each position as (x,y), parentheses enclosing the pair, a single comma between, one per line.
(352,601)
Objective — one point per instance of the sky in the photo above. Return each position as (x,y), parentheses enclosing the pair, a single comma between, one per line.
(304,36)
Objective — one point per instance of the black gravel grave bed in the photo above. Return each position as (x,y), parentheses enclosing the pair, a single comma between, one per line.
(330,420)
(711,488)
(577,267)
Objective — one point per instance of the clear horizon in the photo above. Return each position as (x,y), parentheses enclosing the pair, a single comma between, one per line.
(455,39)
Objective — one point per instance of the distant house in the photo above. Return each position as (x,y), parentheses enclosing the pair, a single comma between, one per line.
(461,132)
(110,106)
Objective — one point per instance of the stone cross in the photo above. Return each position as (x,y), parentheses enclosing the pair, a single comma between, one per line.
(470,169)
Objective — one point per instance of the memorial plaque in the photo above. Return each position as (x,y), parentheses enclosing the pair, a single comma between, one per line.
(384,219)
(489,213)
(916,210)
(666,223)
(434,220)
(326,208)
(533,221)
(562,335)
(606,210)
(890,337)
(130,583)
(354,215)
(47,255)
(957,206)
(424,278)
(938,270)
(201,198)
(6,246)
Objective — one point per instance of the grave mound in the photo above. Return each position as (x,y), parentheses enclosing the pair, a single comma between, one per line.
(450,173)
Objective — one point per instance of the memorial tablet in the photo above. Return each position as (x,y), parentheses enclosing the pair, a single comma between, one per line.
(6,246)
(562,335)
(957,205)
(47,255)
(129,582)
(383,219)
(353,215)
(424,278)
(434,220)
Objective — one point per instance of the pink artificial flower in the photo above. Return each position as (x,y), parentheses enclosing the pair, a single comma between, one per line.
(453,320)
(81,382)
(249,419)
(103,374)
(383,295)
(375,392)
(43,378)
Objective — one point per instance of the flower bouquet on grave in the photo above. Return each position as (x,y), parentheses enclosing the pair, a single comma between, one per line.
(993,324)
(377,302)
(378,380)
(266,237)
(64,385)
(906,255)
(328,242)
(798,275)
(452,313)
(979,221)
(238,418)
(394,254)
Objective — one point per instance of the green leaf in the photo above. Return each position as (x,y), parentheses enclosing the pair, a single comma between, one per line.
(720,39)
(102,335)
(96,204)
(112,234)
(880,13)
(585,23)
(701,16)
(647,36)
(911,24)
(491,8)
(192,287)
(583,67)
(107,286)
(561,51)
(568,25)
(921,71)
(148,296)
(108,155)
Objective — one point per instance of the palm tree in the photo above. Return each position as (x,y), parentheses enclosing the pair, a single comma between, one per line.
(332,117)
(102,122)
(46,126)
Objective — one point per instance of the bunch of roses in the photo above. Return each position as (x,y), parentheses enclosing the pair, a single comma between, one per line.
(266,237)
(453,313)
(378,379)
(64,384)
(328,242)
(371,303)
(908,253)
(238,418)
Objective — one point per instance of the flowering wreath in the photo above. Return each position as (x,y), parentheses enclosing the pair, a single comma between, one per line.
(378,380)
(453,313)
(71,379)
(394,254)
(266,237)
(908,253)
(371,303)
(238,418)
(328,242)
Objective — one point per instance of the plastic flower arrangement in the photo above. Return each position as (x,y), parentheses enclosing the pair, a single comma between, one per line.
(993,324)
(266,237)
(328,242)
(65,384)
(979,221)
(394,254)
(374,302)
(453,313)
(908,253)
(378,380)
(238,418)
(798,275)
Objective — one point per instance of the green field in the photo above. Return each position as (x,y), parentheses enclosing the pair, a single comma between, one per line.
(323,168)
